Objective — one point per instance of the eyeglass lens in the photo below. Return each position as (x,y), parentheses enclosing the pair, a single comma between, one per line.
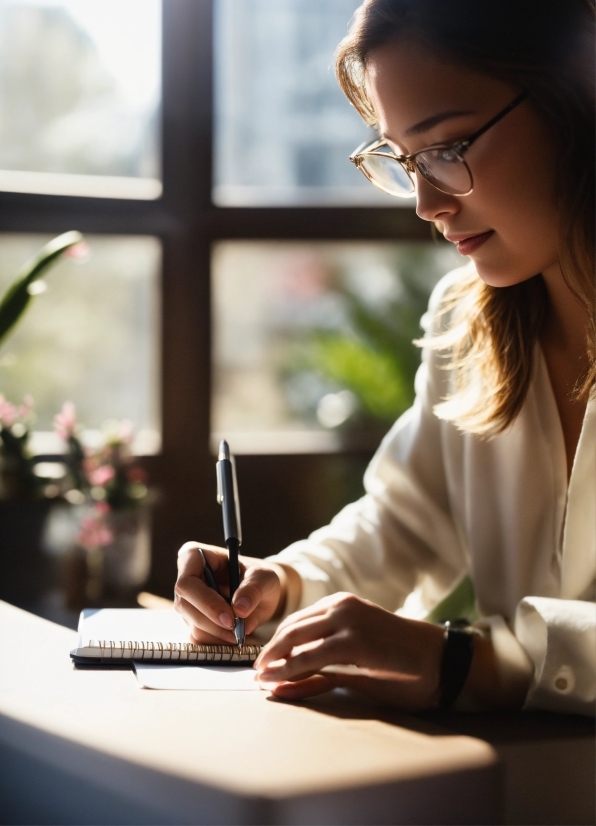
(389,175)
(443,167)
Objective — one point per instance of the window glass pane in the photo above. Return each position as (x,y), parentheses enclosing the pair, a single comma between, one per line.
(91,338)
(80,90)
(312,341)
(284,130)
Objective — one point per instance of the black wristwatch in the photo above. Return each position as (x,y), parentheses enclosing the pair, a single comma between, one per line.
(457,660)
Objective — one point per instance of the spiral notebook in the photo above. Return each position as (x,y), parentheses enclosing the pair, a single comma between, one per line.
(118,637)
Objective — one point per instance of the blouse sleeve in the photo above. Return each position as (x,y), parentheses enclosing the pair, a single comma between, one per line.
(400,536)
(559,635)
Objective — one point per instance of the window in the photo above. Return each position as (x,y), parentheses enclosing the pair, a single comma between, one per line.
(80,89)
(312,343)
(91,338)
(215,163)
(283,128)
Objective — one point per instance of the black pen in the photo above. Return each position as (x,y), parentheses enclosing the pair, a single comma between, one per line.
(227,496)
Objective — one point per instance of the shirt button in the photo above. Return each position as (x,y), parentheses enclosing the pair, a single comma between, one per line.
(564,680)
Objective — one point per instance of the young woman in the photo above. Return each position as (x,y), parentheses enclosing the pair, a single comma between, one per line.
(486,112)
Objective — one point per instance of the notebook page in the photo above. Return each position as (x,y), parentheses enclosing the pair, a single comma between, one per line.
(132,624)
(190,678)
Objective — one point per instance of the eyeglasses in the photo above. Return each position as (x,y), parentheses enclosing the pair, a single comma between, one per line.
(442,165)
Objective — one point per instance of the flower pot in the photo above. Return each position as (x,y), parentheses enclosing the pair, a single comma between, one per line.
(127,559)
(27,571)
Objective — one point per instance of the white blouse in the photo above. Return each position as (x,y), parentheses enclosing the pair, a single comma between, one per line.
(441,505)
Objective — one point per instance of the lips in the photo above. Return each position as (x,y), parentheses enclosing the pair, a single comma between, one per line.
(466,245)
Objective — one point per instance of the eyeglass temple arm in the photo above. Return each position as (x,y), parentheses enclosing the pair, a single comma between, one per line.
(474,137)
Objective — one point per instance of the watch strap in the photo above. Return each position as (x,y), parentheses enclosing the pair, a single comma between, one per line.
(456,663)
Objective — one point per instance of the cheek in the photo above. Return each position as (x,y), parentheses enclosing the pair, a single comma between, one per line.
(515,197)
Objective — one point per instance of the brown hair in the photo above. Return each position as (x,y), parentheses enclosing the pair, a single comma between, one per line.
(546,47)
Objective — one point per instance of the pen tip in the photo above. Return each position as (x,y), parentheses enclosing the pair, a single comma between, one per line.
(239,632)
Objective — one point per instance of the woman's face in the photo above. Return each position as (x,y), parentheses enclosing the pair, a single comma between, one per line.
(512,205)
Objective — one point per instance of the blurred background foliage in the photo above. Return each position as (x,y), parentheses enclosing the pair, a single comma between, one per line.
(316,338)
(368,365)
(378,360)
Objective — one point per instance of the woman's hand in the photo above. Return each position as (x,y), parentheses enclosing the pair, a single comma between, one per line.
(399,659)
(209,616)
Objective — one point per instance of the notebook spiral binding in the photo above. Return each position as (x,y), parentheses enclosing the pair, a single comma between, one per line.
(134,649)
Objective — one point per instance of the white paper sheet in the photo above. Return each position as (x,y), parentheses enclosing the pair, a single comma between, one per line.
(196,677)
(132,624)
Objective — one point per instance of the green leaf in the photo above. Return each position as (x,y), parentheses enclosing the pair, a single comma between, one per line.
(17,297)
(372,375)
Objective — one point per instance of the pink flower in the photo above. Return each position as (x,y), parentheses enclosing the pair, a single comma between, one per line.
(65,422)
(8,413)
(101,476)
(26,408)
(94,533)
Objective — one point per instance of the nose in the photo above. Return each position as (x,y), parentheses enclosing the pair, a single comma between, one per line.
(431,203)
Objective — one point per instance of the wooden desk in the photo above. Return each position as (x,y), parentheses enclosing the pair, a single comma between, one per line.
(549,762)
(91,747)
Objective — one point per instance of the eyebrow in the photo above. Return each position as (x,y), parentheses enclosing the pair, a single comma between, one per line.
(428,123)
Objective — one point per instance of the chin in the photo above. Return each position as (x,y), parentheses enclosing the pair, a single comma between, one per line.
(501,276)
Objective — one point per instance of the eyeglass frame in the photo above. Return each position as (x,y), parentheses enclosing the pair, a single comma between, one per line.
(408,162)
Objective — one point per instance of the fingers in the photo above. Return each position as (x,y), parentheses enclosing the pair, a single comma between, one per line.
(298,633)
(201,626)
(191,588)
(300,690)
(257,597)
(206,600)
(402,694)
(255,600)
(190,561)
(334,604)
(306,661)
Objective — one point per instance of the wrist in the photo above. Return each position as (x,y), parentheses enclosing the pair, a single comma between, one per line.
(456,662)
(485,685)
(426,656)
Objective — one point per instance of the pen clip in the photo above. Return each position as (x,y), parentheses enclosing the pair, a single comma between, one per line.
(220,485)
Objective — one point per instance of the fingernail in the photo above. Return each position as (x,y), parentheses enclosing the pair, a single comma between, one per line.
(243,604)
(226,620)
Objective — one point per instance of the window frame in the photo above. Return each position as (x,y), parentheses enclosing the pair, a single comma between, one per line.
(188,224)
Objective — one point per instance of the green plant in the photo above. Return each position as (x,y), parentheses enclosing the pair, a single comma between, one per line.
(376,360)
(18,296)
(372,355)
(109,474)
(17,477)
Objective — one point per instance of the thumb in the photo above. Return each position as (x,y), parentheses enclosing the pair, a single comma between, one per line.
(255,586)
